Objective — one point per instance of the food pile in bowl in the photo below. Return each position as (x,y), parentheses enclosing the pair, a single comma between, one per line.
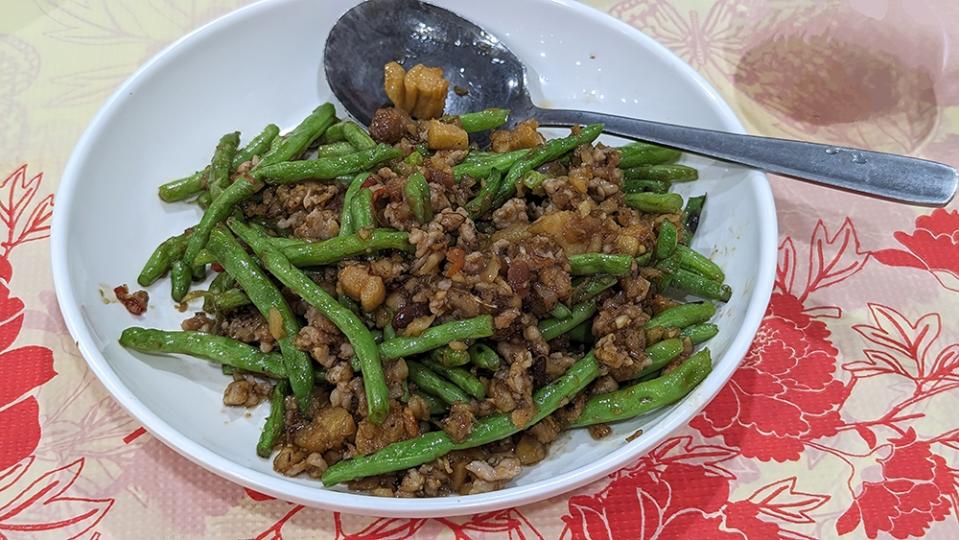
(425,316)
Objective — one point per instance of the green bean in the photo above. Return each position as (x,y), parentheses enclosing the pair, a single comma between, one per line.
(553,328)
(698,263)
(655,203)
(204,200)
(357,136)
(435,406)
(267,298)
(550,151)
(668,173)
(646,259)
(484,357)
(415,158)
(481,203)
(646,396)
(288,172)
(336,132)
(661,354)
(416,192)
(222,282)
(335,249)
(162,257)
(257,146)
(180,277)
(350,304)
(359,336)
(346,214)
(645,186)
(583,333)
(667,240)
(273,427)
(435,444)
(222,162)
(361,210)
(638,153)
(335,149)
(600,263)
(230,299)
(483,120)
(221,207)
(683,315)
(560,311)
(697,285)
(533,180)
(198,272)
(183,188)
(481,167)
(217,349)
(436,336)
(389,332)
(448,357)
(691,216)
(295,142)
(698,333)
(431,383)
(462,378)
(590,287)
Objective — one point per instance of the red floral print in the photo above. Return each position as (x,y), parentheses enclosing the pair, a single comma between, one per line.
(785,392)
(917,488)
(24,368)
(680,491)
(42,508)
(933,246)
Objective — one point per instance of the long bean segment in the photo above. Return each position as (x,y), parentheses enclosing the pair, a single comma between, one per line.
(361,210)
(483,120)
(219,175)
(417,195)
(600,263)
(270,303)
(357,136)
(217,349)
(589,287)
(700,286)
(484,357)
(667,240)
(691,216)
(481,167)
(483,200)
(553,328)
(449,357)
(667,173)
(550,151)
(346,214)
(221,207)
(683,315)
(644,186)
(462,378)
(436,336)
(660,354)
(257,146)
(639,153)
(329,168)
(430,446)
(296,141)
(162,258)
(646,396)
(655,203)
(342,247)
(699,333)
(428,381)
(364,346)
(273,427)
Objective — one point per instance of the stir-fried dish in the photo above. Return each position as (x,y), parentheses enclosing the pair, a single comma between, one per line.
(424,316)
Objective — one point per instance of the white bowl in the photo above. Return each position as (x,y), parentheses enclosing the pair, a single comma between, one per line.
(261,64)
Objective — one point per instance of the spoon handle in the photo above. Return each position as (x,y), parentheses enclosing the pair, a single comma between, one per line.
(890,176)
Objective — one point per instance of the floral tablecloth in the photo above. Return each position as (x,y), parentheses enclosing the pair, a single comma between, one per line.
(841,421)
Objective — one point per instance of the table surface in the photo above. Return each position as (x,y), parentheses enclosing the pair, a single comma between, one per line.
(862,441)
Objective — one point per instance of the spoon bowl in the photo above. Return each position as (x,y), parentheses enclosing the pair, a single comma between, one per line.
(482,72)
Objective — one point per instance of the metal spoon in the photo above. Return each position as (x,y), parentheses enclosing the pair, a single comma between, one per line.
(375,32)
